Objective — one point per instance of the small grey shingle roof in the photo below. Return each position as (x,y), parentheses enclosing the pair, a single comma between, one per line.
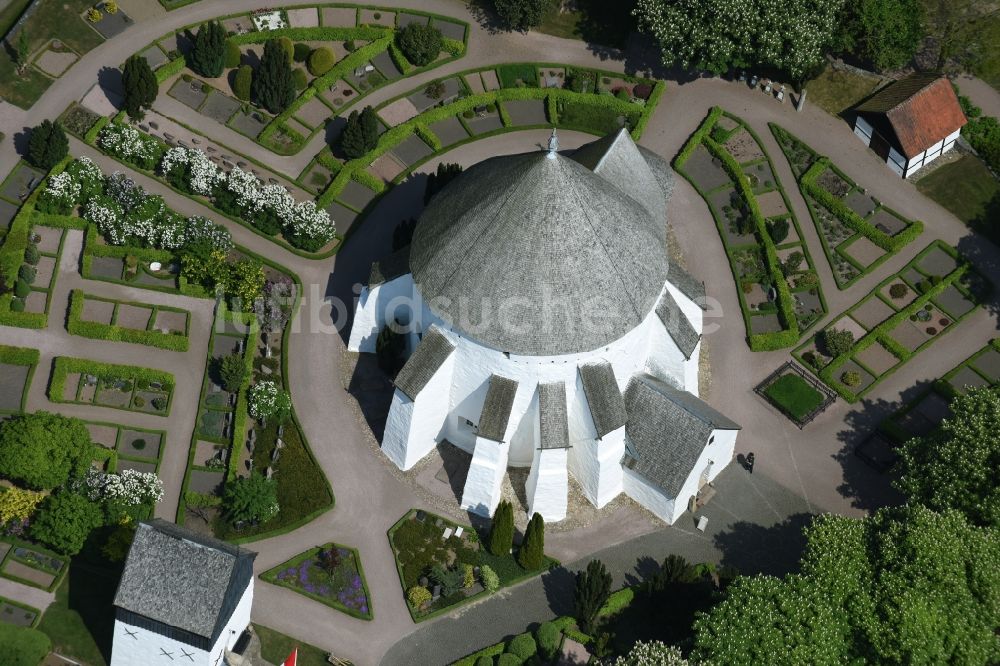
(554,428)
(182,579)
(433,350)
(496,408)
(522,231)
(667,430)
(390,267)
(607,407)
(677,324)
(687,284)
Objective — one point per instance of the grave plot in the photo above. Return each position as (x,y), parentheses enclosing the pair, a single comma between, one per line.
(17,367)
(32,565)
(120,321)
(18,614)
(127,387)
(779,291)
(858,233)
(330,574)
(124,447)
(897,320)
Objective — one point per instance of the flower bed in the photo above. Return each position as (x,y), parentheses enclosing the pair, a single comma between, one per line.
(907,327)
(826,189)
(778,267)
(330,574)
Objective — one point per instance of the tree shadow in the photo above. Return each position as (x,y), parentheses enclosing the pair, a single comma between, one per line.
(985,257)
(91,584)
(559,584)
(483,13)
(645,568)
(21,139)
(110,81)
(753,548)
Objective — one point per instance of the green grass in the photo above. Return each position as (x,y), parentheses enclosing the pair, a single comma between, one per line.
(591,118)
(10,14)
(276,646)
(509,75)
(794,396)
(988,68)
(964,187)
(597,21)
(836,91)
(80,621)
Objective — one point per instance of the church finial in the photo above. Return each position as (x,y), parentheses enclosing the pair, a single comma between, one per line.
(553,145)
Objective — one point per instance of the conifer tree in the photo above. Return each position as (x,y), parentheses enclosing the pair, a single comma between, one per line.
(593,587)
(532,552)
(47,145)
(502,530)
(140,86)
(360,135)
(273,87)
(209,51)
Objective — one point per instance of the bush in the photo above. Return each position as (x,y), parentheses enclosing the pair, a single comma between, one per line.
(47,145)
(321,61)
(418,596)
(508,659)
(31,254)
(138,402)
(159,404)
(299,78)
(21,288)
(301,52)
(836,342)
(622,94)
(548,637)
(778,231)
(27,273)
(205,88)
(522,645)
(139,444)
(484,660)
(898,290)
(850,378)
(491,581)
(350,46)
(233,56)
(23,646)
(435,90)
(17,305)
(421,44)
(642,91)
(243,83)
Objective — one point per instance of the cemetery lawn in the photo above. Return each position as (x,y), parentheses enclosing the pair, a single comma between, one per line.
(964,187)
(276,646)
(794,396)
(835,91)
(80,621)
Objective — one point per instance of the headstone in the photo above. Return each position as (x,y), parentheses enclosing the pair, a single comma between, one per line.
(195,140)
(459,530)
(447,533)
(436,592)
(268,473)
(702,523)
(153,125)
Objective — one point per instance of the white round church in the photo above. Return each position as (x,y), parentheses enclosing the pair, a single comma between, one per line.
(546,328)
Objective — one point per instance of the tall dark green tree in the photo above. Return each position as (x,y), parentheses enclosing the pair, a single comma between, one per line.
(593,587)
(531,554)
(47,145)
(502,530)
(420,43)
(209,52)
(140,86)
(273,86)
(360,135)
(884,33)
(521,14)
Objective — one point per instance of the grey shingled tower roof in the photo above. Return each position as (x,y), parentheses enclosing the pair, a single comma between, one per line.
(525,230)
(677,324)
(496,408)
(182,579)
(433,350)
(554,429)
(667,430)
(607,407)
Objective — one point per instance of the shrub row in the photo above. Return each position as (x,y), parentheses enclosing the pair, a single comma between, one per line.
(18,355)
(242,400)
(854,221)
(164,72)
(64,365)
(399,58)
(113,333)
(699,135)
(654,100)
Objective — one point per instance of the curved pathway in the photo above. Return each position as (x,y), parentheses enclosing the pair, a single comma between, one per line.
(369,494)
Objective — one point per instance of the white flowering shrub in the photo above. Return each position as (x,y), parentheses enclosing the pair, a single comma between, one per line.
(201,229)
(61,194)
(129,144)
(653,653)
(268,207)
(128,488)
(717,35)
(267,401)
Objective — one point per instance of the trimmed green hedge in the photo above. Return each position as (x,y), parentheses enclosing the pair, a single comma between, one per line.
(65,365)
(164,72)
(697,137)
(114,333)
(18,355)
(854,221)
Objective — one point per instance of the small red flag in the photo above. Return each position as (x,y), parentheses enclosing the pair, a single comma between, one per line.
(293,658)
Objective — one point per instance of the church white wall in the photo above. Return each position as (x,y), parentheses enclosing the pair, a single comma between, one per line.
(648,496)
(483,483)
(548,484)
(375,306)
(414,427)
(720,453)
(596,466)
(147,647)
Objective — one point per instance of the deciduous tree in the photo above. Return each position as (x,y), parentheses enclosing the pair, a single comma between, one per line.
(521,14)
(420,43)
(43,450)
(955,467)
(885,33)
(65,520)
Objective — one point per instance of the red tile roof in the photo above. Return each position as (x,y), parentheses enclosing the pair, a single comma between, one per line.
(922,110)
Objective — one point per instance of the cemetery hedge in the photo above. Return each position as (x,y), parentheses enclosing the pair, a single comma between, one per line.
(112,333)
(64,365)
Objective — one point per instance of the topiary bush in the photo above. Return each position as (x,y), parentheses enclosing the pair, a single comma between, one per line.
(32,255)
(321,60)
(548,637)
(27,273)
(300,52)
(522,645)
(288,47)
(243,83)
(898,290)
(21,289)
(299,78)
(233,56)
(421,44)
(508,659)
(778,230)
(484,660)
(17,305)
